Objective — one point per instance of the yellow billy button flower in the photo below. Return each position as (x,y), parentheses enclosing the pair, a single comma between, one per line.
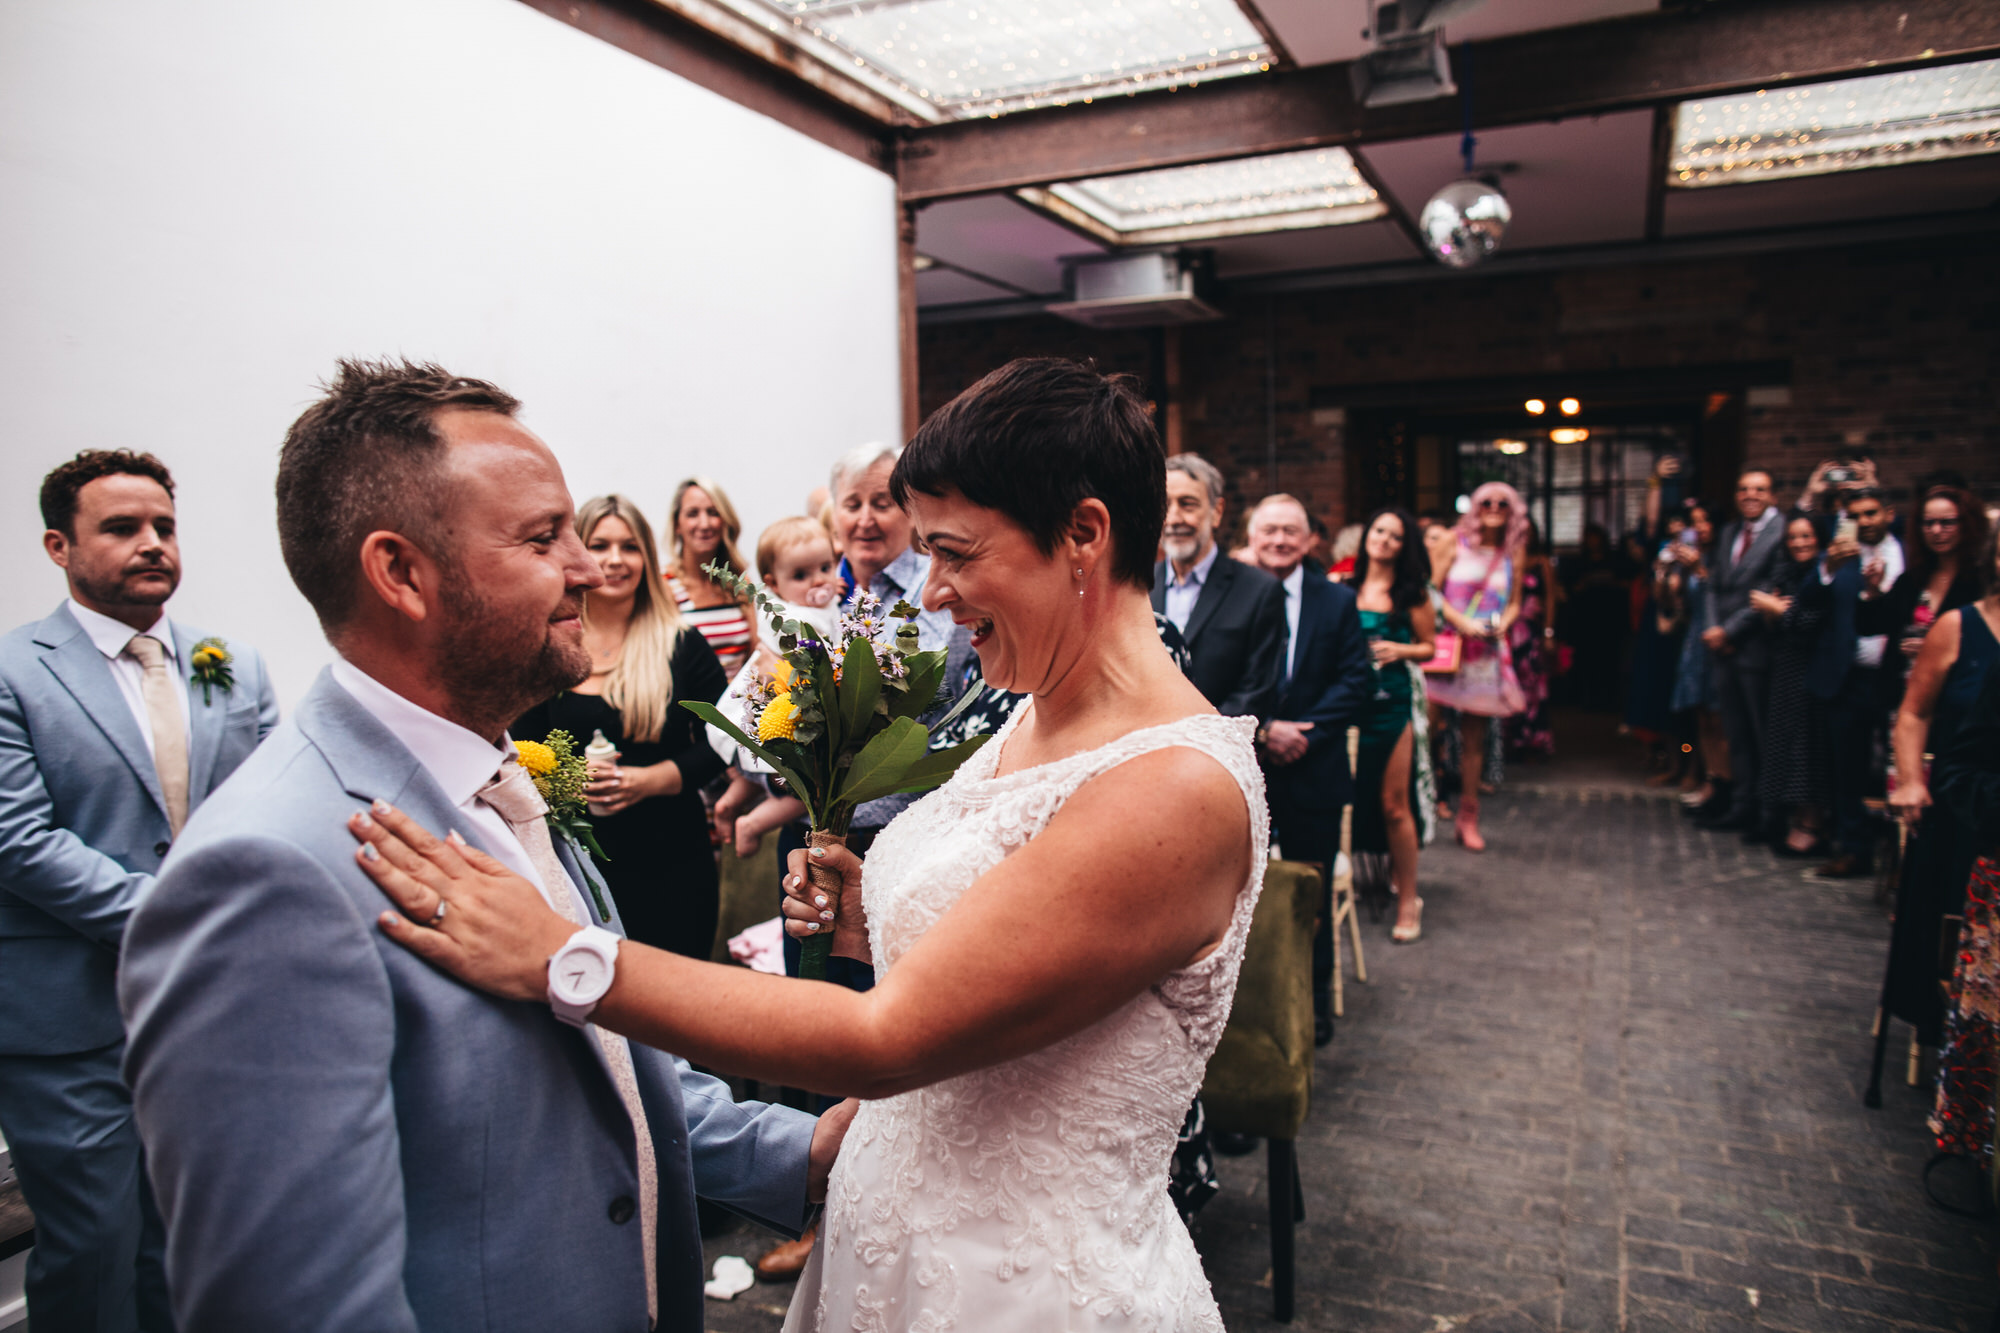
(537,758)
(780,720)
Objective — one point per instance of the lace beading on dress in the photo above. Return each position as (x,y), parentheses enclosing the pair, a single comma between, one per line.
(1031,1194)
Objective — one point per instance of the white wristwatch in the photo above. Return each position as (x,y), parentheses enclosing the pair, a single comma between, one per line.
(580,973)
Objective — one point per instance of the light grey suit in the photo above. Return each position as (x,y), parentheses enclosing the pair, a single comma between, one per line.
(1742,678)
(344,1138)
(83,826)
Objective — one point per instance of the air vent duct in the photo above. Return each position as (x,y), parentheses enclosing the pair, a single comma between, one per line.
(1136,291)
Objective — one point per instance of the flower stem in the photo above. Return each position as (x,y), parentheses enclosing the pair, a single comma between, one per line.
(814,950)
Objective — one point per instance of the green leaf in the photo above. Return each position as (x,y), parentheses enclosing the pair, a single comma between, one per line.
(710,714)
(920,687)
(883,760)
(934,768)
(860,686)
(965,701)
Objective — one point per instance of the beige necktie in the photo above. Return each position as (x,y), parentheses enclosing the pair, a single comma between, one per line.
(163,708)
(513,797)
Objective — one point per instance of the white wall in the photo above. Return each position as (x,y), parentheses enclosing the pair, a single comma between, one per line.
(207,201)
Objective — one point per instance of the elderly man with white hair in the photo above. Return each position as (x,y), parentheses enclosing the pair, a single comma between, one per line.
(875,534)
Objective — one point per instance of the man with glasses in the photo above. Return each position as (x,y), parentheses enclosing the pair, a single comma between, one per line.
(1739,646)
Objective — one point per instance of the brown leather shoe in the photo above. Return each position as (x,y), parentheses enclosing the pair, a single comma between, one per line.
(783,1262)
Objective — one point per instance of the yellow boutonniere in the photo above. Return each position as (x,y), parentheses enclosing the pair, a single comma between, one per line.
(560,775)
(210,662)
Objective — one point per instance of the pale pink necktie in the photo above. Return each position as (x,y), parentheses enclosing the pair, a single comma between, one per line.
(163,710)
(513,797)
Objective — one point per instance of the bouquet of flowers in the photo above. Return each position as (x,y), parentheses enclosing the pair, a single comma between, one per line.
(560,775)
(838,721)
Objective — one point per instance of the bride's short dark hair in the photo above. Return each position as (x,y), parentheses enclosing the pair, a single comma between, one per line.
(1036,438)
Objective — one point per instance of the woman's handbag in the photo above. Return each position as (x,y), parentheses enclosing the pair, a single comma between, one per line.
(1445,660)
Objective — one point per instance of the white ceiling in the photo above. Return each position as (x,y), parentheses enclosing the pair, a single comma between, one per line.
(1317,32)
(1000,237)
(1849,196)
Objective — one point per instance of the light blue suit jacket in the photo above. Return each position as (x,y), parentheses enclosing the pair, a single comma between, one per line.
(343,1138)
(83,824)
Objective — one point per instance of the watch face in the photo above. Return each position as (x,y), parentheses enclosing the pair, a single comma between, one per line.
(581,975)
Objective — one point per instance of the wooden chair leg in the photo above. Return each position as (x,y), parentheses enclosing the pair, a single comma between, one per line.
(1354,928)
(1285,1205)
(1339,987)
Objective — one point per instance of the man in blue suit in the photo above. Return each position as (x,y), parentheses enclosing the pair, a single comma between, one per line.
(1327,682)
(107,741)
(342,1138)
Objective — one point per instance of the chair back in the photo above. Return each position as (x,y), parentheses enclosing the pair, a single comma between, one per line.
(1260,1078)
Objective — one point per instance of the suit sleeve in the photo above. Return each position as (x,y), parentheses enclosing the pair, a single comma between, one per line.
(749,1157)
(1759,569)
(1349,688)
(260,1035)
(1256,694)
(45,864)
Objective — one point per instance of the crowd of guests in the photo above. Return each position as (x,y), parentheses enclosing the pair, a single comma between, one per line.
(1815,670)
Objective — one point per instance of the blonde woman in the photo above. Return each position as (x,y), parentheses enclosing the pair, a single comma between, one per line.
(706,529)
(644,659)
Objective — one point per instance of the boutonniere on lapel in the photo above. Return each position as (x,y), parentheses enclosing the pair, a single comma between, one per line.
(560,775)
(210,662)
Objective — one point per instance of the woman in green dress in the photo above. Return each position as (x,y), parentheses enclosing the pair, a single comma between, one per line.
(1392,585)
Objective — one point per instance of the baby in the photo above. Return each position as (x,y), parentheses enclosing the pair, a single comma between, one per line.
(796,562)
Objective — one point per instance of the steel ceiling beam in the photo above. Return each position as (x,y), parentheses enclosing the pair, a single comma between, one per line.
(1649,60)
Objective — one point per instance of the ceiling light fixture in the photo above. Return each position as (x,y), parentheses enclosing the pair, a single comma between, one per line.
(1878,120)
(1463,223)
(1319,187)
(959,59)
(1569,435)
(1535,407)
(1512,448)
(1570,407)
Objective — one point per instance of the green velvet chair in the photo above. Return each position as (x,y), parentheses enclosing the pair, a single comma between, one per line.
(1260,1079)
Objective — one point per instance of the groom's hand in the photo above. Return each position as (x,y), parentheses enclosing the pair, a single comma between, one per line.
(827,1137)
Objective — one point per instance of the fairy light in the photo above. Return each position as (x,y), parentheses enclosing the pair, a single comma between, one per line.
(1512,448)
(1535,407)
(966,58)
(1570,407)
(1321,184)
(1875,121)
(1569,434)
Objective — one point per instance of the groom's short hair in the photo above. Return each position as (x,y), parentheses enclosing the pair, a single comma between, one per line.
(1036,438)
(366,458)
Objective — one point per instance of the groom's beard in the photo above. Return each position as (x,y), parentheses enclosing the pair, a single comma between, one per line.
(494,671)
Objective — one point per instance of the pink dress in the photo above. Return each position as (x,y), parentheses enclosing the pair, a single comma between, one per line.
(1477,585)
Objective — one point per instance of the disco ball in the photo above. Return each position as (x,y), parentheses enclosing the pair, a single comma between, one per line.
(1463,222)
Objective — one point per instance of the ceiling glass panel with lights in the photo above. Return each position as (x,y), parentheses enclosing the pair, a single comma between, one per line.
(1878,120)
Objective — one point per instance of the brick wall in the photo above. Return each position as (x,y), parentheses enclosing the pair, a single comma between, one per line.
(1892,348)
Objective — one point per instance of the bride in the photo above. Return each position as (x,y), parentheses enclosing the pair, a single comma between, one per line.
(1056,931)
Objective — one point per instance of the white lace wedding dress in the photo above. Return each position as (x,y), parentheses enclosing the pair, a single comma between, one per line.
(1031,1194)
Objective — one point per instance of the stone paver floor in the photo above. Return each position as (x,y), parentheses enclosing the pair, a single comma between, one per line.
(1617,1086)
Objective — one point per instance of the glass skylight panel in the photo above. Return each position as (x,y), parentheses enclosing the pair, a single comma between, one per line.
(957,59)
(1879,120)
(1319,187)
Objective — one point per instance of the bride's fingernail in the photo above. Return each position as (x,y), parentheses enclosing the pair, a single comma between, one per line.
(819,900)
(451,836)
(812,925)
(826,916)
(361,818)
(380,807)
(819,851)
(368,852)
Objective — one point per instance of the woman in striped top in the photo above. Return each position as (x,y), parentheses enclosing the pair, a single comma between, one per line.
(705,530)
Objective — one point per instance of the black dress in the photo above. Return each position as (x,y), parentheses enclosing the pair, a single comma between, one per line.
(1796,760)
(662,867)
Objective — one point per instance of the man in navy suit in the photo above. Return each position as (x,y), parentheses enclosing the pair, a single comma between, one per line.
(1846,670)
(1230,615)
(1327,681)
(107,742)
(1747,557)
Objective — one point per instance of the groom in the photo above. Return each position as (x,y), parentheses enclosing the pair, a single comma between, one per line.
(341,1138)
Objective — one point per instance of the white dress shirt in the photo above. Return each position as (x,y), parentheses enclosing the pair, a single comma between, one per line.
(460,762)
(1869,648)
(1183,593)
(110,637)
(1295,587)
(902,579)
